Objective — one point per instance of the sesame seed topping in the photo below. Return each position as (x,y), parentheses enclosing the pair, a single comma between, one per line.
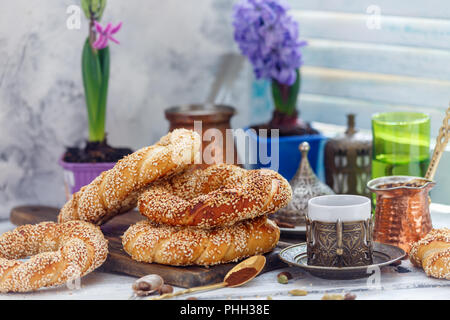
(174,245)
(116,191)
(219,195)
(58,253)
(432,253)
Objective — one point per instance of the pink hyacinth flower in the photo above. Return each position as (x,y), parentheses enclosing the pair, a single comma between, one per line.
(105,34)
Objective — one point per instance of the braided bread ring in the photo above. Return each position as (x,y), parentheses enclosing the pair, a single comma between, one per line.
(183,246)
(59,253)
(115,191)
(432,253)
(219,195)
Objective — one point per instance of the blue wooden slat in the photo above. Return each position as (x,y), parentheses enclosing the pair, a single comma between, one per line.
(379,58)
(416,32)
(333,109)
(376,87)
(410,8)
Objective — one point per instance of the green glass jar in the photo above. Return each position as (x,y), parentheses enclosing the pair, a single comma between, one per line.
(401,144)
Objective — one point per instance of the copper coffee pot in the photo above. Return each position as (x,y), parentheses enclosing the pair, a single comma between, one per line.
(211,119)
(402,213)
(202,117)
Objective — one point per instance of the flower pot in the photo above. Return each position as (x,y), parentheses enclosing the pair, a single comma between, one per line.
(77,175)
(289,154)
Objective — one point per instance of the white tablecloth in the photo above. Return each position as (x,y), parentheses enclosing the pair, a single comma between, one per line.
(393,285)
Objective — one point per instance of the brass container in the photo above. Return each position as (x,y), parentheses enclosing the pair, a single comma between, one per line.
(402,213)
(339,244)
(218,143)
(348,161)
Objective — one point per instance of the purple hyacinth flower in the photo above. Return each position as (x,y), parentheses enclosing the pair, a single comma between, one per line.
(105,35)
(268,36)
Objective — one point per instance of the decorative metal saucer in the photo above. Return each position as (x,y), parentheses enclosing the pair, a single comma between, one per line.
(383,254)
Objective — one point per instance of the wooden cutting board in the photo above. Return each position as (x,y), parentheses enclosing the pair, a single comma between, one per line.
(120,262)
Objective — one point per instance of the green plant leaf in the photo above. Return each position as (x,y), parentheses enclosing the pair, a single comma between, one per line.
(85,5)
(101,9)
(94,8)
(92,81)
(103,93)
(284,96)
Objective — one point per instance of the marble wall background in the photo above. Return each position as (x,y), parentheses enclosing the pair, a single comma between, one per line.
(168,55)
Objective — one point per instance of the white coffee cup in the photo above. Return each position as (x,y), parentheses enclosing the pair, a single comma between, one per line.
(330,208)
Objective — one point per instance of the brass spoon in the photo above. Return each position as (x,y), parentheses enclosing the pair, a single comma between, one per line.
(256,262)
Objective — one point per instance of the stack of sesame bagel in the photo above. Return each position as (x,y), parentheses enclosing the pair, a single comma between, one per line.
(208,216)
(193,217)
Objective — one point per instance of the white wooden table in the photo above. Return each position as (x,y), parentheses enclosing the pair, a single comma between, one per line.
(393,285)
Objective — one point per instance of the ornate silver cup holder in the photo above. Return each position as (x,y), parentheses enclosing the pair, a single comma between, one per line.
(339,244)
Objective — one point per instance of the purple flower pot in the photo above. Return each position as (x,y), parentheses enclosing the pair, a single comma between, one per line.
(77,175)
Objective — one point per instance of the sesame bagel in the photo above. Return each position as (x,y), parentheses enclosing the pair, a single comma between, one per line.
(219,195)
(116,191)
(59,253)
(181,246)
(432,253)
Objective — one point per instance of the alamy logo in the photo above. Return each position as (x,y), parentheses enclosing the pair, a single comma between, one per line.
(373,21)
(252,150)
(374,280)
(73,21)
(74,284)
